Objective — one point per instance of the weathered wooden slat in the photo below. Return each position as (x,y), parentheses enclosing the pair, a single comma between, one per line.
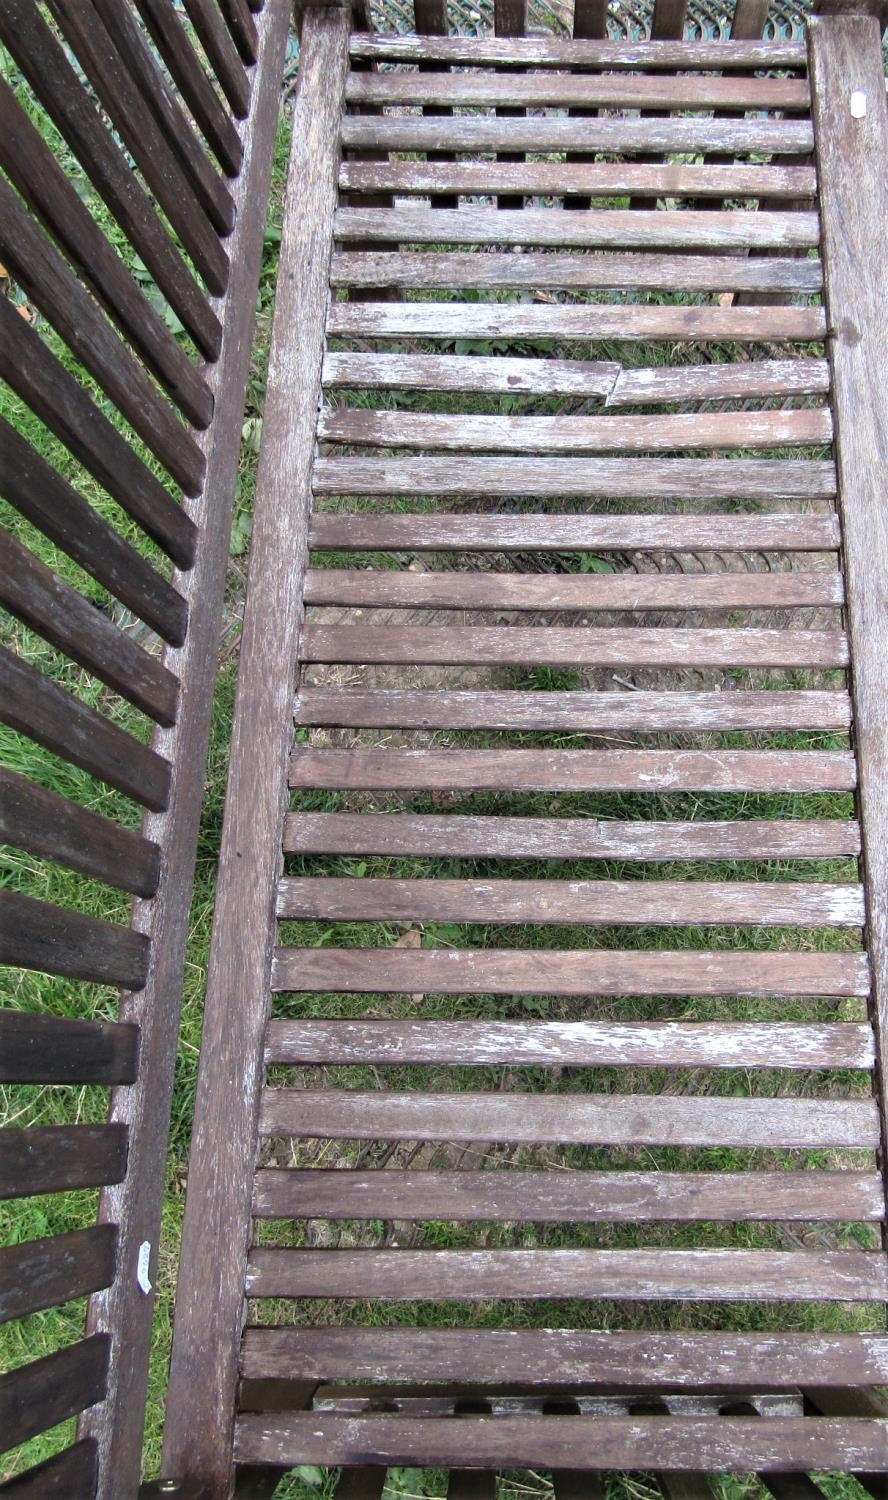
(492,320)
(49,1271)
(474,1275)
(605,1443)
(72,1475)
(666,903)
(574,770)
(212,32)
(56,1158)
(546,133)
(589,1119)
(40,821)
(57,940)
(28,365)
(579,434)
(592,90)
(49,605)
(568,1197)
(572,646)
(577,710)
(51,504)
(455,268)
(60,1049)
(565,1356)
(565,838)
(173,44)
(36,706)
(51,285)
(582,52)
(605,179)
(574,533)
(586,1044)
(41,181)
(240,22)
(455,971)
(38,1395)
(563,377)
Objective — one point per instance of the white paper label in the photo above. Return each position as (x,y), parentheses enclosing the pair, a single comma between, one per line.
(143,1280)
(858,105)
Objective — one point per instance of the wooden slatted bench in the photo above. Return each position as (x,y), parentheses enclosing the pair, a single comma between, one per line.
(540,1120)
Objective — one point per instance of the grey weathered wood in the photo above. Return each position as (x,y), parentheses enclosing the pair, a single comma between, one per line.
(845,56)
(597,1119)
(481,320)
(565,838)
(545,133)
(200,1413)
(566,1357)
(454,971)
(663,902)
(568,1197)
(583,52)
(803,427)
(59,1049)
(593,90)
(423,708)
(46,1272)
(575,377)
(455,268)
(574,533)
(605,179)
(57,1158)
(57,940)
(570,646)
(38,1395)
(571,1043)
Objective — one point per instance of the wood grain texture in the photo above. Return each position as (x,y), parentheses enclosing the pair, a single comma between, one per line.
(58,1158)
(60,1049)
(592,91)
(38,1395)
(583,52)
(455,268)
(565,1356)
(200,1413)
(47,1272)
(672,179)
(58,940)
(568,1197)
(845,55)
(455,971)
(546,133)
(566,838)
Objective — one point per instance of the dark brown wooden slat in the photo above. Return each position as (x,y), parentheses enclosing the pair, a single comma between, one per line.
(658,902)
(36,595)
(455,971)
(56,940)
(57,1158)
(44,186)
(571,1043)
(490,320)
(137,127)
(72,1474)
(595,1119)
(50,1271)
(213,34)
(603,179)
(415,268)
(37,1396)
(32,259)
(544,133)
(33,371)
(475,1275)
(36,706)
(565,838)
(51,504)
(579,434)
(565,1357)
(422,708)
(358,1483)
(172,42)
(682,92)
(59,1049)
(210,191)
(573,533)
(583,52)
(447,644)
(242,27)
(568,1197)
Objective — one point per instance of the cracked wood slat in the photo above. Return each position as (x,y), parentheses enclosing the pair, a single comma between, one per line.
(569,1197)
(634,1275)
(613,227)
(580,434)
(454,268)
(657,902)
(591,90)
(549,51)
(574,533)
(582,1119)
(545,133)
(605,179)
(430,708)
(618,478)
(566,838)
(565,377)
(455,971)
